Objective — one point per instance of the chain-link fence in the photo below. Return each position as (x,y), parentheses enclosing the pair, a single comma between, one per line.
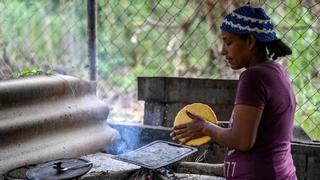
(152,38)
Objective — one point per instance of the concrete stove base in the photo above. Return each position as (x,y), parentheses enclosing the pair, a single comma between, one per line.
(107,168)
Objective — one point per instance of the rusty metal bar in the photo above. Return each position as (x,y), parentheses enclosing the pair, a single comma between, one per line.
(91,30)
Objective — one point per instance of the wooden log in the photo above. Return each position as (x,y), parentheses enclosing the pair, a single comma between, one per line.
(199,168)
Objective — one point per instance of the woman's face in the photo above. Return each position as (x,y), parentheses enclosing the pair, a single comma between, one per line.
(237,51)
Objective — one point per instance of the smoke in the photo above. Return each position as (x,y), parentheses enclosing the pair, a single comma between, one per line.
(129,140)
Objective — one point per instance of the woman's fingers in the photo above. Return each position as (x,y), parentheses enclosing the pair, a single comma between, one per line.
(189,130)
(183,135)
(178,134)
(192,116)
(181,126)
(181,131)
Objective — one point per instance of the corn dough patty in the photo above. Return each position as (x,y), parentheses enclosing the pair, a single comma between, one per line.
(201,110)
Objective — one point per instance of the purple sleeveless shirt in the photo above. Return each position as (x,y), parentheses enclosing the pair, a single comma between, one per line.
(266,86)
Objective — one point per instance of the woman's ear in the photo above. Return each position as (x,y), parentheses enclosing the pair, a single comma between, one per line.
(251,41)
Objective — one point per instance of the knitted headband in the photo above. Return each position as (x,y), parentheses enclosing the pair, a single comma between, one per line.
(250,20)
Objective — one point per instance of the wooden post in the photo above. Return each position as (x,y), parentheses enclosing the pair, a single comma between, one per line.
(91,30)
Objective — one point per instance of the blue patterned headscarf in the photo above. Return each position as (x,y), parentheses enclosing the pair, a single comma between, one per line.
(250,20)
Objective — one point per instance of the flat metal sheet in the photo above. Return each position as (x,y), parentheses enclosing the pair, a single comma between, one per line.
(156,154)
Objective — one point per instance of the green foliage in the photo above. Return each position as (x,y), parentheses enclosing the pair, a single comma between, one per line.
(303,66)
(149,56)
(53,33)
(44,33)
(30,71)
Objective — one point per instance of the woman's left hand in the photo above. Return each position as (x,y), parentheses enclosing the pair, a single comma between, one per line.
(188,131)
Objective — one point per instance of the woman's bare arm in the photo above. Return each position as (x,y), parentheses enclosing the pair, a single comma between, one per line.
(241,136)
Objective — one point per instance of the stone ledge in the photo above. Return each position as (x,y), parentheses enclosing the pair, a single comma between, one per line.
(107,168)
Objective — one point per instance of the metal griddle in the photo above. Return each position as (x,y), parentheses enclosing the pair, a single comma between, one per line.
(156,154)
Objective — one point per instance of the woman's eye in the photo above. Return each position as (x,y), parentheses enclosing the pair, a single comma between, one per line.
(228,43)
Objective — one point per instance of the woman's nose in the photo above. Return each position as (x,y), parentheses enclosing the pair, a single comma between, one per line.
(223,50)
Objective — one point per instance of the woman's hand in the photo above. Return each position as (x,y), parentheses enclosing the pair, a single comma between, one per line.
(241,136)
(188,131)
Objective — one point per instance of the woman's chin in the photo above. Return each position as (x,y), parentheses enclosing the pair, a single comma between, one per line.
(233,67)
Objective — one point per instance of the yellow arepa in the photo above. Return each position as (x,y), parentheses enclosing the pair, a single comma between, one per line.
(201,110)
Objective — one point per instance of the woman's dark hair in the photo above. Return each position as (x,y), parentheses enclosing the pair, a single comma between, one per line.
(272,49)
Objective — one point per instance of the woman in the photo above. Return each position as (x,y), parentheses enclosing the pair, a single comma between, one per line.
(258,139)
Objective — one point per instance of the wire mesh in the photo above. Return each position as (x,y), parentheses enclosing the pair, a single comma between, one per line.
(152,38)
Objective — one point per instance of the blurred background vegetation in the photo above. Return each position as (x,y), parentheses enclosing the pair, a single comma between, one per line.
(153,38)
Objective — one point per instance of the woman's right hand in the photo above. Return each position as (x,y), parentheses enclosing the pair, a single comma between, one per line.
(189,131)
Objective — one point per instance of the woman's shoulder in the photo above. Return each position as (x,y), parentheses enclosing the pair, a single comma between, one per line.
(269,73)
(267,68)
